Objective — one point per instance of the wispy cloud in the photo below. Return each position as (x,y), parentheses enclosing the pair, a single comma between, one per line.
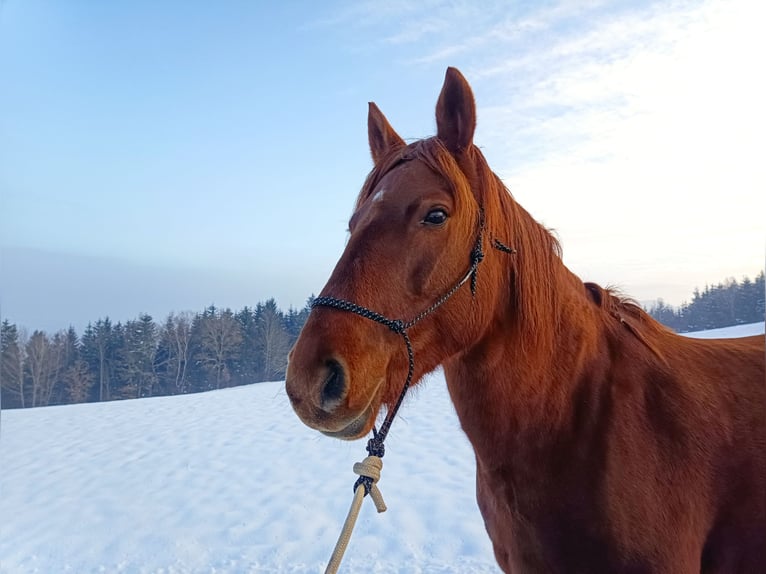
(659,117)
(502,28)
(613,121)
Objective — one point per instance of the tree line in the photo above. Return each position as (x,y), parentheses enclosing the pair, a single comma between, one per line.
(186,353)
(724,305)
(217,348)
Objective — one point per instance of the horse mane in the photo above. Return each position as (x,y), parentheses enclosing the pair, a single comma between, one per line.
(536,261)
(628,313)
(535,305)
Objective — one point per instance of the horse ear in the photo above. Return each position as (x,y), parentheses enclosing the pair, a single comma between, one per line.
(455,112)
(382,136)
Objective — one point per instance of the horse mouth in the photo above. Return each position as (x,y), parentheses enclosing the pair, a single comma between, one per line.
(357,428)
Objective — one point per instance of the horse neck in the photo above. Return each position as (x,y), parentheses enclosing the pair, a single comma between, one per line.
(517,381)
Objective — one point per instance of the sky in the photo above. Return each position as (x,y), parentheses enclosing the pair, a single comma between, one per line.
(159,157)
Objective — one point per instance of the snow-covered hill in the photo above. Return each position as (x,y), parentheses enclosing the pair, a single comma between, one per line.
(231,482)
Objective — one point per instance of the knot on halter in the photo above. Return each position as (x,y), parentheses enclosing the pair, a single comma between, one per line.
(477,256)
(397,326)
(369,474)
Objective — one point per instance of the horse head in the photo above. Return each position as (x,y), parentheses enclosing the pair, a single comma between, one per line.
(416,234)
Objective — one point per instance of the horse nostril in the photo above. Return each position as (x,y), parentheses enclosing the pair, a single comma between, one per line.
(334,389)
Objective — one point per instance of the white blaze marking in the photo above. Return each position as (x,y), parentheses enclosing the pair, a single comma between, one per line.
(378,196)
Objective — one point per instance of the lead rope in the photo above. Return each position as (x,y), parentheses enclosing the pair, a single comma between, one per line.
(369,469)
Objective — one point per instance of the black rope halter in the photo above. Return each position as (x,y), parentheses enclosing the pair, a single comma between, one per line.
(375,446)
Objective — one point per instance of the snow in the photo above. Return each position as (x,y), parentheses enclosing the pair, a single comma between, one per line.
(231,482)
(728,332)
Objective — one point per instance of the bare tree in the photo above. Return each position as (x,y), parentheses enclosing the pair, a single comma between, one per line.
(219,345)
(62,352)
(77,382)
(176,342)
(273,341)
(42,367)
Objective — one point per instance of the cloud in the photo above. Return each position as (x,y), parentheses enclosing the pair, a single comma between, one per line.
(639,138)
(636,130)
(502,30)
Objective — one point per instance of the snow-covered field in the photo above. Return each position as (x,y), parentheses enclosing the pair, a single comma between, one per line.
(231,482)
(727,332)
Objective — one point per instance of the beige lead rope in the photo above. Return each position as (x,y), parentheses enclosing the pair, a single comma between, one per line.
(369,467)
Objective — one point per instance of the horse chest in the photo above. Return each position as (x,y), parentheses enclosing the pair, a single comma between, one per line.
(548,526)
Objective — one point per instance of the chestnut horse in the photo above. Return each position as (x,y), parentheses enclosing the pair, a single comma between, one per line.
(604,442)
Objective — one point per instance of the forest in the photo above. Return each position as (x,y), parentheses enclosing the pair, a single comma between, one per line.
(193,352)
(187,353)
(723,305)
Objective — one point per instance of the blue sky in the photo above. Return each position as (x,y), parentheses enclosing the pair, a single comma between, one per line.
(159,157)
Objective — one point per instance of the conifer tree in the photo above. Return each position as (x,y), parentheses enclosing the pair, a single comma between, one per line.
(12,360)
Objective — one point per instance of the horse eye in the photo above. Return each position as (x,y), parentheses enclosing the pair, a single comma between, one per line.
(435,217)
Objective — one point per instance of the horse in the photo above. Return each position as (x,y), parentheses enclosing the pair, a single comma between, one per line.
(604,442)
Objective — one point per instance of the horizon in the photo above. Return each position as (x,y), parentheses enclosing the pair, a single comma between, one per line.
(161,158)
(158,319)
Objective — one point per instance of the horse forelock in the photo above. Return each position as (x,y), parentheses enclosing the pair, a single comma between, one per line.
(433,153)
